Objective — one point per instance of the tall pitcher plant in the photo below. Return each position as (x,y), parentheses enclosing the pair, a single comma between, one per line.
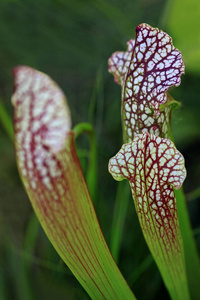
(52,175)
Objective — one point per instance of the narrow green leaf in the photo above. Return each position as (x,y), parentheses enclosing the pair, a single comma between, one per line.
(141,269)
(6,121)
(190,251)
(22,286)
(193,194)
(91,175)
(119,217)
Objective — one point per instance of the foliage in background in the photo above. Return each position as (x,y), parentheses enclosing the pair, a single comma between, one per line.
(71,41)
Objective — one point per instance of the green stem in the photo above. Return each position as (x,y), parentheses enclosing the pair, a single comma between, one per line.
(193,194)
(140,269)
(120,212)
(190,251)
(6,121)
(22,284)
(91,176)
(97,99)
(31,236)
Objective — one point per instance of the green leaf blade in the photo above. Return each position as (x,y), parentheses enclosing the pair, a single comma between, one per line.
(190,250)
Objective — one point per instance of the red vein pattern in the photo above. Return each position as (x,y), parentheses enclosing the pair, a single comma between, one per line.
(146,70)
(53,178)
(119,62)
(41,126)
(153,167)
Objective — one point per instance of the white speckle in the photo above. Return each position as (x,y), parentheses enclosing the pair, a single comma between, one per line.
(140,78)
(129,84)
(140,56)
(139,38)
(127,107)
(130,93)
(136,89)
(158,80)
(33,184)
(36,125)
(147,55)
(132,121)
(143,117)
(145,32)
(134,107)
(157,57)
(143,47)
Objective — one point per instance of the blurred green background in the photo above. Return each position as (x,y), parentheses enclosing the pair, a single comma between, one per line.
(71,40)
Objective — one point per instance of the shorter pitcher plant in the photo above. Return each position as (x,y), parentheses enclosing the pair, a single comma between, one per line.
(52,176)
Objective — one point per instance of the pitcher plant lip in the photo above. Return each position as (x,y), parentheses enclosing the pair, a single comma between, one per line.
(149,67)
(50,118)
(153,167)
